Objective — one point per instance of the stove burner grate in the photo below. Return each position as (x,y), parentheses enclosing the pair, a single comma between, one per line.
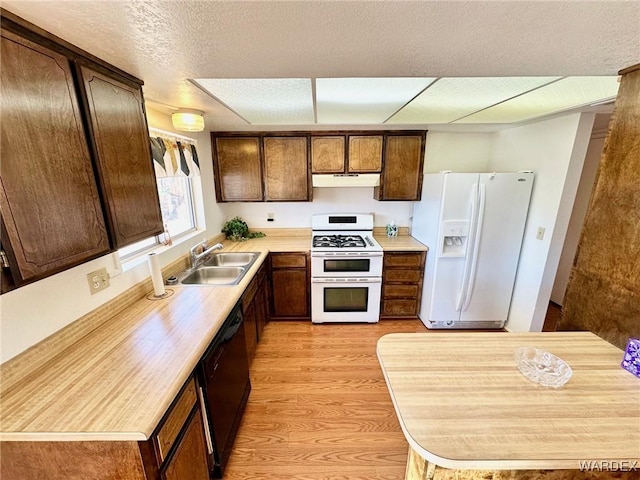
(339,241)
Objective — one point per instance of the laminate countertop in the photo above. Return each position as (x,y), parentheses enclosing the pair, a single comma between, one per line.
(117,382)
(463,404)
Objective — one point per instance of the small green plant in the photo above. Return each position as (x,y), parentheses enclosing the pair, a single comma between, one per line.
(237,230)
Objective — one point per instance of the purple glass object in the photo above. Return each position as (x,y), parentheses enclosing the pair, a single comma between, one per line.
(631,359)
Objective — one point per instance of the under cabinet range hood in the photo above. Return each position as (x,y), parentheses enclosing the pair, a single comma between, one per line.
(347,180)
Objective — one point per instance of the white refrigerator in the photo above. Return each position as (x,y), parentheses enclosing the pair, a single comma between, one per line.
(473,224)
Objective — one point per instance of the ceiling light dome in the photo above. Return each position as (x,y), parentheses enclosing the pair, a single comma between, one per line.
(188,120)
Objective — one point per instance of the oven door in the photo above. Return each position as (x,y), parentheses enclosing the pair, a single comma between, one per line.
(343,264)
(336,300)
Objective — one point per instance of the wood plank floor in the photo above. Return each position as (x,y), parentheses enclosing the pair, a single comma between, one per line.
(319,406)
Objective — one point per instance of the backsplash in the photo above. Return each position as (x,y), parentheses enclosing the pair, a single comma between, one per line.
(325,200)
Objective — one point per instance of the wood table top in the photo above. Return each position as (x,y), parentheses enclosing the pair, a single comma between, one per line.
(462,402)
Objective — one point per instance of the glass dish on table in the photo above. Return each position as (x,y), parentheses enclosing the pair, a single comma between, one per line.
(542,367)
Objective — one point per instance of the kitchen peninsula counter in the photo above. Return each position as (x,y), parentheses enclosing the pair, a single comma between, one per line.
(463,404)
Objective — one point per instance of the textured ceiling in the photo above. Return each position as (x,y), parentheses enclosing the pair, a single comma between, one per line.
(167,42)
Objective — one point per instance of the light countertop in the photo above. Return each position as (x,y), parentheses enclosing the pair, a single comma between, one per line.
(463,404)
(118,381)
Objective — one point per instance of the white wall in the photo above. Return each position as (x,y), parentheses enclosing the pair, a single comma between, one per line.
(458,152)
(581,204)
(325,200)
(555,149)
(33,312)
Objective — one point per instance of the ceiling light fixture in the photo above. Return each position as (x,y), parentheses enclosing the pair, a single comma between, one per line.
(188,120)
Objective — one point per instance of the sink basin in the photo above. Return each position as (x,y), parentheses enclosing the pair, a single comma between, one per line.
(214,276)
(231,259)
(224,268)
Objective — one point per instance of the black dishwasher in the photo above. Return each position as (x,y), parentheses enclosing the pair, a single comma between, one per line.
(224,374)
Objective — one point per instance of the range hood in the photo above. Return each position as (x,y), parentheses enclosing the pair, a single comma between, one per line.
(347,180)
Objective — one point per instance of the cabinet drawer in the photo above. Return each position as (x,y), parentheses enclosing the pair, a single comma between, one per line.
(287,260)
(403,259)
(175,419)
(400,291)
(406,276)
(399,308)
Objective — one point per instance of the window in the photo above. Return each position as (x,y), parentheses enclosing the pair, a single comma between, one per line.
(176,164)
(176,203)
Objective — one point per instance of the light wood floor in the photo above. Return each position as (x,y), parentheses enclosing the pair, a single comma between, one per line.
(319,407)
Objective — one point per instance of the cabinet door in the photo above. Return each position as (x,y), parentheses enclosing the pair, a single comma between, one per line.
(402,175)
(286,166)
(123,155)
(250,328)
(190,457)
(290,293)
(365,153)
(238,170)
(48,197)
(262,299)
(327,154)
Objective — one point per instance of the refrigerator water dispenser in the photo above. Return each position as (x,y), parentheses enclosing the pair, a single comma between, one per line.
(454,238)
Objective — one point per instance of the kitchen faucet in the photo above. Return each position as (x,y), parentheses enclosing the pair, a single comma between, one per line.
(205,251)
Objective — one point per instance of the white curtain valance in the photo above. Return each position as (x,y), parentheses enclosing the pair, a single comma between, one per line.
(173,155)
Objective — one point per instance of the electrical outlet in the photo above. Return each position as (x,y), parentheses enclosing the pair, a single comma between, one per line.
(540,234)
(270,217)
(98,280)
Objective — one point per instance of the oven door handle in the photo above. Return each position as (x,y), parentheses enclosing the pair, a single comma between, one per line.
(346,280)
(347,254)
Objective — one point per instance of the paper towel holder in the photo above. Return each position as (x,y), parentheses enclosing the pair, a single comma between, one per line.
(167,293)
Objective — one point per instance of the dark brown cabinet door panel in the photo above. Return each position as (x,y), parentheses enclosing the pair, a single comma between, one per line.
(286,164)
(238,170)
(402,173)
(290,293)
(49,199)
(123,152)
(190,458)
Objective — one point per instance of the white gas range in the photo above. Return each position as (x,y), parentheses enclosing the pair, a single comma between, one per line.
(346,269)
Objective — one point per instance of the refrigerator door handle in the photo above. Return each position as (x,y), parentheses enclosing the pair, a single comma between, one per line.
(476,246)
(467,263)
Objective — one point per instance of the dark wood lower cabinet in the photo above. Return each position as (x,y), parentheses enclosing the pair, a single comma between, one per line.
(177,450)
(190,458)
(402,277)
(254,307)
(290,286)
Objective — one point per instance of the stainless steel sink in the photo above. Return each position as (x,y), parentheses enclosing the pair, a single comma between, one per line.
(231,259)
(224,268)
(213,276)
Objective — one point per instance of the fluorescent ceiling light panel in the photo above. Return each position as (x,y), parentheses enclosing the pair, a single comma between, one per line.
(562,95)
(269,101)
(364,100)
(448,99)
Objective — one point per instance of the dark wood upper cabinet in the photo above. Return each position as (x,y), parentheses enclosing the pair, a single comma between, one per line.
(48,197)
(365,153)
(76,177)
(238,169)
(327,154)
(123,156)
(401,177)
(286,164)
